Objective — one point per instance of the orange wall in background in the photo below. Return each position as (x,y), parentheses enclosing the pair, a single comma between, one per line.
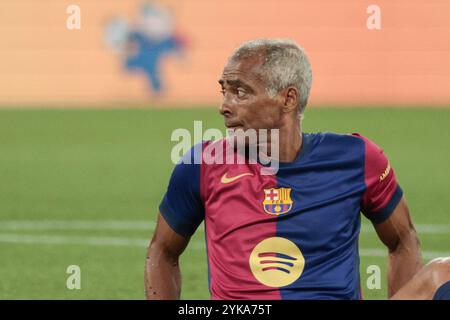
(42,63)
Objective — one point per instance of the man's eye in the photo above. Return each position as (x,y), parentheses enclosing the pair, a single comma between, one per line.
(241,93)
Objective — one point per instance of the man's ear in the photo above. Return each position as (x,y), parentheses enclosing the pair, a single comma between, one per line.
(291,99)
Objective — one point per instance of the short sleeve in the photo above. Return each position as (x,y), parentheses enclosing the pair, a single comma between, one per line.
(181,206)
(382,193)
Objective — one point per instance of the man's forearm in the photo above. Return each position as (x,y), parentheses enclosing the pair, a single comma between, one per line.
(162,276)
(404,262)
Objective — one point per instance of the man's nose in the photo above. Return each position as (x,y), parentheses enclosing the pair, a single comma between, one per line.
(225,109)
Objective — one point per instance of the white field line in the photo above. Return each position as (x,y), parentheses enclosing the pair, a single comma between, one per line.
(82,240)
(71,240)
(427,255)
(145,225)
(77,225)
(148,225)
(421,228)
(142,243)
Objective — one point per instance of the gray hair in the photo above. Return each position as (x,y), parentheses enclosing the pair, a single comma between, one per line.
(285,64)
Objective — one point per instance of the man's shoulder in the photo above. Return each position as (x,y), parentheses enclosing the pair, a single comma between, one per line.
(336,147)
(336,139)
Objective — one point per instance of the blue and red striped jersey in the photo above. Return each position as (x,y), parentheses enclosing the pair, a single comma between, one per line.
(291,235)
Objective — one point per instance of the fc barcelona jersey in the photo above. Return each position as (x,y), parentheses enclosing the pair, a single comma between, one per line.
(291,235)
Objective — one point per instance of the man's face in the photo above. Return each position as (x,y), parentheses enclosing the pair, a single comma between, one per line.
(246,103)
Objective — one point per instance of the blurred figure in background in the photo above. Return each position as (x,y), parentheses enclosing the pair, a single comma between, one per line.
(142,46)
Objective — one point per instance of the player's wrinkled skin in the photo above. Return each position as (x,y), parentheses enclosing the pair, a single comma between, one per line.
(293,235)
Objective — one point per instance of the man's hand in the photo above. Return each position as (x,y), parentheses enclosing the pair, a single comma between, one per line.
(162,272)
(399,235)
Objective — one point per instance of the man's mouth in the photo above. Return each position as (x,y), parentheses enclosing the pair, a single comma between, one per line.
(233,126)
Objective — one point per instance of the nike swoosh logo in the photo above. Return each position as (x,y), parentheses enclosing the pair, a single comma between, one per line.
(226,179)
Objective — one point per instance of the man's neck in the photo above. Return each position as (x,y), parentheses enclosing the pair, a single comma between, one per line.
(290,143)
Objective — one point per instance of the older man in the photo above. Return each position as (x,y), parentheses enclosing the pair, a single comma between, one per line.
(292,234)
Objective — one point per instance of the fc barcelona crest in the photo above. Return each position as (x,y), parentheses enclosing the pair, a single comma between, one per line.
(277,200)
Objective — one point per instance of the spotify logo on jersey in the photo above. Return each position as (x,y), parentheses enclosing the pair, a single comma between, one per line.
(276,262)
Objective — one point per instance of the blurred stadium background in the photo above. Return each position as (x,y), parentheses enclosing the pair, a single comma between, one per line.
(86,117)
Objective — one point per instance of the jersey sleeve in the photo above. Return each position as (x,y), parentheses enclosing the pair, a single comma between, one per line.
(382,193)
(182,207)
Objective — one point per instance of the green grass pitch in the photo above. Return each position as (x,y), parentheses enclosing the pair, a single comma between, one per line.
(81,187)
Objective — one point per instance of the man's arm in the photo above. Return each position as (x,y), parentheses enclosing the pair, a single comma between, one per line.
(162,272)
(399,235)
